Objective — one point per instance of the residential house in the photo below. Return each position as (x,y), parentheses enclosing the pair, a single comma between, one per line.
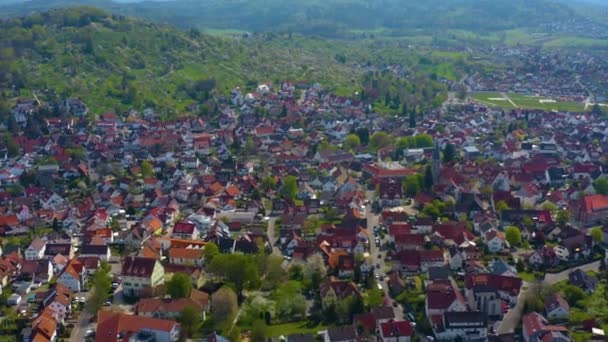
(443,296)
(469,326)
(44,328)
(141,276)
(536,328)
(59,299)
(507,287)
(495,240)
(36,249)
(167,308)
(100,251)
(556,308)
(501,267)
(73,276)
(333,290)
(583,280)
(36,270)
(185,230)
(396,331)
(345,333)
(186,256)
(592,210)
(114,327)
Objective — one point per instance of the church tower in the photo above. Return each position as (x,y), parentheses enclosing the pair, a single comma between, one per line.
(436,167)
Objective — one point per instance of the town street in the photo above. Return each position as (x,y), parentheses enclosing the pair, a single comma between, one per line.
(373,220)
(271,236)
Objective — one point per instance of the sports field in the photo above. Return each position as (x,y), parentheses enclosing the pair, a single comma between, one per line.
(513,100)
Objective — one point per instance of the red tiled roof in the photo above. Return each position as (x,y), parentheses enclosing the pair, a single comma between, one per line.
(511,285)
(185,253)
(595,203)
(397,329)
(110,324)
(184,228)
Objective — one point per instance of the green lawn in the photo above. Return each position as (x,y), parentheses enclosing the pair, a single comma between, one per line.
(293,328)
(526,276)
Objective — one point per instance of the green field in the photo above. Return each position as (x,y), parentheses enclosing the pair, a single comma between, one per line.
(495,99)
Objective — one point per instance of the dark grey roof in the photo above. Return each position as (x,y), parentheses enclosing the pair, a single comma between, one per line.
(465,319)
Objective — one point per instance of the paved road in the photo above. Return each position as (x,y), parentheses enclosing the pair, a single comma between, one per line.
(82,323)
(513,316)
(272,237)
(373,220)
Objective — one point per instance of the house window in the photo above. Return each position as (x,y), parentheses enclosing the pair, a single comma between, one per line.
(127,284)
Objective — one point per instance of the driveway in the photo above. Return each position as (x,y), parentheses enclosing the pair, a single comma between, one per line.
(553,278)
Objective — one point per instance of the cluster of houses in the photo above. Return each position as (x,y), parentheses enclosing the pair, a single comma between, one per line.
(555,74)
(164,189)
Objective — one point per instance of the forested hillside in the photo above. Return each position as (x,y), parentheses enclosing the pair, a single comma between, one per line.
(118,63)
(336,17)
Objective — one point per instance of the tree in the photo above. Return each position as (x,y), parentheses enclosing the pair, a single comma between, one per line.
(549,206)
(190,320)
(449,153)
(379,140)
(601,185)
(258,332)
(563,217)
(239,269)
(147,170)
(413,184)
(597,234)
(250,147)
(363,134)
(596,110)
(573,294)
(434,209)
(115,225)
(272,270)
(224,305)
(56,226)
(210,251)
(351,141)
(513,236)
(289,189)
(428,178)
(268,183)
(314,270)
(101,284)
(502,206)
(373,298)
(290,304)
(311,225)
(179,286)
(11,147)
